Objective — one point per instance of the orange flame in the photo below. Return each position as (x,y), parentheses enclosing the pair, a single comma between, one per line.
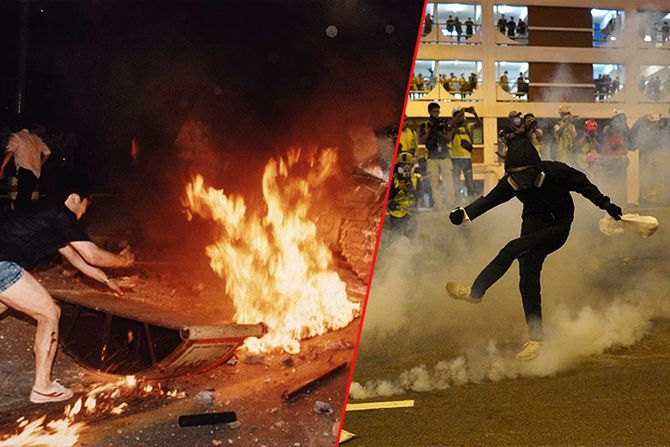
(276,269)
(65,432)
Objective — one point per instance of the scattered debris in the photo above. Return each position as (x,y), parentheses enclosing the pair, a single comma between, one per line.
(193,420)
(254,359)
(346,436)
(286,361)
(217,442)
(380,405)
(336,345)
(234,425)
(321,407)
(300,387)
(205,397)
(232,361)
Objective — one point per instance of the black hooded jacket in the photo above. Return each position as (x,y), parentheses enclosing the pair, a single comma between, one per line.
(551,203)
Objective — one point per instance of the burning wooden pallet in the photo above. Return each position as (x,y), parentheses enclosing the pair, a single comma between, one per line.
(126,337)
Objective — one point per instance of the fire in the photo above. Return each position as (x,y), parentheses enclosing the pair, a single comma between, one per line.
(64,432)
(275,267)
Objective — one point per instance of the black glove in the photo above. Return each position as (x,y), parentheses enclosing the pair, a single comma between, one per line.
(614,211)
(457,216)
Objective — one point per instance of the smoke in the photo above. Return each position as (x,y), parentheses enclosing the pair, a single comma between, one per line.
(594,299)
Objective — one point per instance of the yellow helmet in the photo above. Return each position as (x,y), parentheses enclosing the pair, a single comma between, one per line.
(405,157)
(565,109)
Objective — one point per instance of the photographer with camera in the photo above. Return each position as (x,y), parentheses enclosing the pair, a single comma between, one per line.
(565,134)
(460,135)
(402,196)
(535,135)
(513,136)
(433,133)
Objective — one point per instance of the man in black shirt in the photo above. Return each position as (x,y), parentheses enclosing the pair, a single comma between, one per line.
(25,238)
(548,210)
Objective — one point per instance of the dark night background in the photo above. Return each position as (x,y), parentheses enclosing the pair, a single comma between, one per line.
(263,75)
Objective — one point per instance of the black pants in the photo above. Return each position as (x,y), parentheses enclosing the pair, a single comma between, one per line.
(538,239)
(27,182)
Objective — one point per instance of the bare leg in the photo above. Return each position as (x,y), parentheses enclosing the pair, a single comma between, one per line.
(29,296)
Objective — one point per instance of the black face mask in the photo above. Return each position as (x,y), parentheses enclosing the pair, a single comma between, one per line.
(525,179)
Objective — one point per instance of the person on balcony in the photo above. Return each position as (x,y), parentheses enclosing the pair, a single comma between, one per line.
(450,25)
(502,24)
(511,28)
(504,82)
(458,27)
(521,27)
(469,28)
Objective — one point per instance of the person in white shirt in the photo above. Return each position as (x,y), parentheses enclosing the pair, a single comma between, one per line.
(29,153)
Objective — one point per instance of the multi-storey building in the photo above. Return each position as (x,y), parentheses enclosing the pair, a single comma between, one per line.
(598,56)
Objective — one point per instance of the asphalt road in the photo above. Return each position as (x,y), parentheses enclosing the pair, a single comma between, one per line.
(621,397)
(605,303)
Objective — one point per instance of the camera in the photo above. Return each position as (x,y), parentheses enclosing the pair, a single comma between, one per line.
(439,124)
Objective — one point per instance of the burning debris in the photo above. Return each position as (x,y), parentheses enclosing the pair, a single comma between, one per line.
(276,268)
(101,399)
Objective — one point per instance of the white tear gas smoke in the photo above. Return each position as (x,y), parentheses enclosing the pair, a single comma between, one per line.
(591,303)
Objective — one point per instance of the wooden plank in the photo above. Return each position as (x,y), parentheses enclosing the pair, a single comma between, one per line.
(128,306)
(346,436)
(380,405)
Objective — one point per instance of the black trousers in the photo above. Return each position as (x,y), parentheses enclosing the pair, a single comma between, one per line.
(27,182)
(538,239)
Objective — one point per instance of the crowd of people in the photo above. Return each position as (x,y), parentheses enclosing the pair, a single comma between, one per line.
(433,169)
(455,85)
(606,86)
(522,84)
(511,28)
(654,87)
(454,27)
(31,231)
(659,32)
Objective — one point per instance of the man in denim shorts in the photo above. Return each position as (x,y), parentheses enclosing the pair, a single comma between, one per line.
(25,237)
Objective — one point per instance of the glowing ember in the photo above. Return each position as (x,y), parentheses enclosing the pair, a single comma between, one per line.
(276,269)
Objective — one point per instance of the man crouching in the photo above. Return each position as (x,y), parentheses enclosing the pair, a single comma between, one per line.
(27,236)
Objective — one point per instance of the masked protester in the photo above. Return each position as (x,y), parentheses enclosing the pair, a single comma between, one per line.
(587,145)
(544,188)
(616,142)
(402,196)
(514,135)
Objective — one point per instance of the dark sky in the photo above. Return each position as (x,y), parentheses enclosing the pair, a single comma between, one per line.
(261,73)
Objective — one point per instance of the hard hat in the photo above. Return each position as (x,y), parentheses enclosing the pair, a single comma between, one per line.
(405,157)
(513,113)
(565,109)
(456,110)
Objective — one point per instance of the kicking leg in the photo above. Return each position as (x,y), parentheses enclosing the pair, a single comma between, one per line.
(530,266)
(546,239)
